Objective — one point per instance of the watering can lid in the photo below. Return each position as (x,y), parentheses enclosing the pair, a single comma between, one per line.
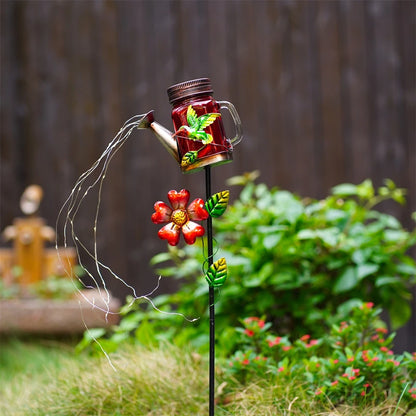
(189,88)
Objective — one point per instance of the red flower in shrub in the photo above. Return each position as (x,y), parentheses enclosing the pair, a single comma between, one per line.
(249,332)
(179,217)
(249,320)
(273,342)
(312,343)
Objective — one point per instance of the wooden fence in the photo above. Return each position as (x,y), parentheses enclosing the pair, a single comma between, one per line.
(325,90)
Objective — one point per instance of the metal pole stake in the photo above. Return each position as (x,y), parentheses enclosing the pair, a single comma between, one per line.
(211,302)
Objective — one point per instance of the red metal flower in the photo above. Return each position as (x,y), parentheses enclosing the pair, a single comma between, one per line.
(179,217)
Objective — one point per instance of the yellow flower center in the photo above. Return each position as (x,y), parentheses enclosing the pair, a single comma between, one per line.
(179,217)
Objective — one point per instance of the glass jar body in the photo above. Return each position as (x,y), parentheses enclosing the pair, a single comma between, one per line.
(200,143)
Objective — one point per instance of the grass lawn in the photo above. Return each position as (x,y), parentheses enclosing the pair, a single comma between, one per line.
(47,378)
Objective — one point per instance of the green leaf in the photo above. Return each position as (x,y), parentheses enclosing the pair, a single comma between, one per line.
(243,180)
(409,269)
(94,333)
(365,190)
(306,234)
(283,278)
(271,229)
(361,256)
(399,311)
(285,205)
(390,184)
(389,221)
(346,307)
(364,270)
(345,189)
(189,158)
(270,241)
(191,116)
(335,214)
(202,290)
(207,119)
(253,281)
(160,258)
(266,271)
(395,235)
(217,203)
(207,138)
(334,263)
(145,334)
(246,194)
(388,280)
(347,281)
(217,273)
(89,338)
(329,236)
(399,196)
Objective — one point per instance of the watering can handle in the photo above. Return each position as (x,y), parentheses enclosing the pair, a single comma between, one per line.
(236,118)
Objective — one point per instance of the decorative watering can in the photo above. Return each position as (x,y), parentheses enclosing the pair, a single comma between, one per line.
(199,139)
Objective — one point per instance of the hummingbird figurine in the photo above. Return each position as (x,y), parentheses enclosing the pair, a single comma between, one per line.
(196,125)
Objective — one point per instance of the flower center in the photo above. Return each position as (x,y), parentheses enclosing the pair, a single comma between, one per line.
(179,217)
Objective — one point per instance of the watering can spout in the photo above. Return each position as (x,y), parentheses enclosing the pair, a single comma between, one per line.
(164,135)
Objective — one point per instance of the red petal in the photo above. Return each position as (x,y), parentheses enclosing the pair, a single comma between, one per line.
(191,230)
(162,214)
(178,200)
(170,232)
(196,210)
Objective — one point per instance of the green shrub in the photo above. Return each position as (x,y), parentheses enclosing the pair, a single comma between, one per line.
(353,364)
(299,262)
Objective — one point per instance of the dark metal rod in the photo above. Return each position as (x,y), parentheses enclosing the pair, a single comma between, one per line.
(211,302)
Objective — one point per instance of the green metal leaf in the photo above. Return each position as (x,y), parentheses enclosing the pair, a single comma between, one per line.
(217,273)
(200,136)
(189,158)
(191,117)
(207,119)
(217,204)
(207,138)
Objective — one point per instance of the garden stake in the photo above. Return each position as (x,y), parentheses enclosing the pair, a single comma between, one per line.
(211,301)
(198,143)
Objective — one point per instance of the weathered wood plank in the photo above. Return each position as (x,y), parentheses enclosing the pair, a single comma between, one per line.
(10,166)
(333,156)
(356,93)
